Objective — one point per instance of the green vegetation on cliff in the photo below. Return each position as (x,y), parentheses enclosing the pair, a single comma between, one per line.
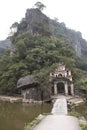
(37,55)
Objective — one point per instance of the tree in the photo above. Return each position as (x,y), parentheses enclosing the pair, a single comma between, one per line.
(40,5)
(21,48)
(14,25)
(82,83)
(14,28)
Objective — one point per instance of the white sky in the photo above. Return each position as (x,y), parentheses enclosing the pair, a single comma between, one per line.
(71,12)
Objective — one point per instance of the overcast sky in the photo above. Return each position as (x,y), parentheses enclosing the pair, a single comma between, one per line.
(72,12)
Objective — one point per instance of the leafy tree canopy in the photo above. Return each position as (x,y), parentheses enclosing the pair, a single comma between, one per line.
(34,53)
(40,5)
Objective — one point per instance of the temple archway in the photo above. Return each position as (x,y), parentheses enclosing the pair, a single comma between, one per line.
(62,81)
(60,88)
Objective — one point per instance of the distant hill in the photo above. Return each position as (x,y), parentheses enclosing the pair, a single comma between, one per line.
(5,44)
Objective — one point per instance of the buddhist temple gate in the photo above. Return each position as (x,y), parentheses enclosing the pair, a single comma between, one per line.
(62,81)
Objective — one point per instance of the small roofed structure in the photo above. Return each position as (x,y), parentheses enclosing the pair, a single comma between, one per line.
(62,81)
(29,87)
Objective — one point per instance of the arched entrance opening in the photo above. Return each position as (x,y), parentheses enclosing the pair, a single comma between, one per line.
(69,90)
(60,88)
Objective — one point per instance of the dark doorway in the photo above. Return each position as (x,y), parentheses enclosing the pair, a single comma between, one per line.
(69,90)
(52,90)
(60,88)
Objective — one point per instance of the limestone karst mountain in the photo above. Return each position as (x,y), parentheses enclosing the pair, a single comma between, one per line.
(37,22)
(39,45)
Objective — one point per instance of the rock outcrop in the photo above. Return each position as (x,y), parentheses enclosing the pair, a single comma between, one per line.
(35,17)
(36,22)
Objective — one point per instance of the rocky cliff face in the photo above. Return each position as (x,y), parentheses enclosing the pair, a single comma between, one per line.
(76,43)
(36,22)
(70,36)
(34,18)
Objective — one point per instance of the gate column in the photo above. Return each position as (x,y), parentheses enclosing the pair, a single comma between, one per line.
(72,89)
(55,88)
(66,88)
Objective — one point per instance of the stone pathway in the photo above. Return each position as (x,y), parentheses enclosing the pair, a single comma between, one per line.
(59,120)
(73,100)
(60,107)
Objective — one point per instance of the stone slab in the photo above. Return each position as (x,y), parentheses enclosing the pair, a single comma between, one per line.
(60,107)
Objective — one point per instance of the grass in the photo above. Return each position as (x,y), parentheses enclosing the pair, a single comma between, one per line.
(31,125)
(84,127)
(37,120)
(76,114)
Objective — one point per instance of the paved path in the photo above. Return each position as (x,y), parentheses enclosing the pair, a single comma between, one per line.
(73,100)
(61,122)
(60,107)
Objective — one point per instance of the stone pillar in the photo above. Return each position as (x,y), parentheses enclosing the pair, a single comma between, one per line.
(72,89)
(66,89)
(55,88)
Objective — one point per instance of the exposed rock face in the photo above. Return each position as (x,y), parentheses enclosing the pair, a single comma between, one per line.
(30,89)
(76,43)
(79,44)
(36,22)
(35,17)
(70,36)
(26,82)
(78,49)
